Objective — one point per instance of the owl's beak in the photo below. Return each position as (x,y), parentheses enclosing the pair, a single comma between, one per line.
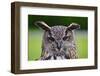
(59,46)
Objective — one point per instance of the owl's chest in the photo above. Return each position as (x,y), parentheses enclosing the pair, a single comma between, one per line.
(57,57)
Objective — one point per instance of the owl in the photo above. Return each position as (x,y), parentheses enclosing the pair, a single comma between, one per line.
(58,41)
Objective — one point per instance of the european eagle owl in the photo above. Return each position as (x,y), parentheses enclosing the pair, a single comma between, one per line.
(58,41)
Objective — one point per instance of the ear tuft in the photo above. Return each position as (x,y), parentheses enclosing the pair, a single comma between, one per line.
(73,26)
(42,25)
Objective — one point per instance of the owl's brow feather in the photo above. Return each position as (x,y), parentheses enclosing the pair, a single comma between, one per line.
(58,31)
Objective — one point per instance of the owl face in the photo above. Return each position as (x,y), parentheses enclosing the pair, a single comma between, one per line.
(58,38)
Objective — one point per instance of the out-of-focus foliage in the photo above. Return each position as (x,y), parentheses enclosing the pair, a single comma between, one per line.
(57,20)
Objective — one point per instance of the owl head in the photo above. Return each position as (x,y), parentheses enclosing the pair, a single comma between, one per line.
(58,38)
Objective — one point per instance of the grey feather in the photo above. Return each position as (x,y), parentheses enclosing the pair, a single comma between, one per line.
(58,42)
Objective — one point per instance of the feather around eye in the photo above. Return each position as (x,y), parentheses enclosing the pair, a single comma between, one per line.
(51,38)
(66,38)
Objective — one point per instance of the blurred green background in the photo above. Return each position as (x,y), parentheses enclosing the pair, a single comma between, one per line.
(35,33)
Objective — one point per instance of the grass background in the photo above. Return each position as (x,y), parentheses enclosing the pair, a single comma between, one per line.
(35,34)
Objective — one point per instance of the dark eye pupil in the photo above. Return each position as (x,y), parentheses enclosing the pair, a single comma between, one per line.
(51,38)
(65,38)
